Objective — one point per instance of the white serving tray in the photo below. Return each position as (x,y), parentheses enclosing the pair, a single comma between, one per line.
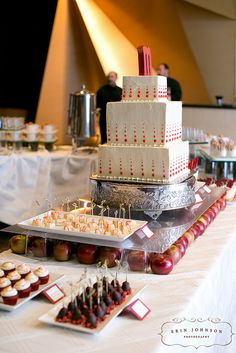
(50,316)
(58,230)
(53,278)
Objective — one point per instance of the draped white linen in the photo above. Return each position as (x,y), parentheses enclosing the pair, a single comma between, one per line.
(28,176)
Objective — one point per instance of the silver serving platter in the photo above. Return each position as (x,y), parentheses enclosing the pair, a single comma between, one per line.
(142,180)
(144,197)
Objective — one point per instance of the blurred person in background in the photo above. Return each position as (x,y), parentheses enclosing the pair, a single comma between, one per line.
(108,93)
(173,86)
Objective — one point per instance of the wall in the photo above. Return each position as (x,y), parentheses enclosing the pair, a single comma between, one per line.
(157,24)
(71,62)
(199,46)
(211,120)
(222,7)
(212,39)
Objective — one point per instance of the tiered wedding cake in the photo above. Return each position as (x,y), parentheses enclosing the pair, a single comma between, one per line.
(144,134)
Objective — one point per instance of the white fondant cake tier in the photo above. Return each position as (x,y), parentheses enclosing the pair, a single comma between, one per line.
(149,123)
(144,88)
(144,162)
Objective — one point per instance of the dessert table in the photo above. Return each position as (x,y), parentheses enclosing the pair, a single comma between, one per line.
(202,285)
(221,164)
(29,176)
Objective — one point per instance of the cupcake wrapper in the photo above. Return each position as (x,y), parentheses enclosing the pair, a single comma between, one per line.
(24,292)
(44,280)
(10,300)
(35,286)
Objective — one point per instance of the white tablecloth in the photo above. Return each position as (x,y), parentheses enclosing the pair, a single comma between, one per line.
(202,285)
(31,176)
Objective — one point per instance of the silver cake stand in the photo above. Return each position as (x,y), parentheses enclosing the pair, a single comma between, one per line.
(152,199)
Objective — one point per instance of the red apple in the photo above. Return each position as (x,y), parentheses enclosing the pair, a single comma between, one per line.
(39,247)
(194,231)
(212,214)
(62,251)
(136,260)
(207,217)
(87,254)
(222,203)
(174,253)
(110,255)
(184,240)
(215,208)
(161,264)
(200,227)
(181,247)
(204,220)
(18,243)
(190,236)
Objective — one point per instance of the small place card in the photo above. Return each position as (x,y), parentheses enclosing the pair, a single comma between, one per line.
(198,198)
(207,189)
(53,293)
(145,232)
(139,309)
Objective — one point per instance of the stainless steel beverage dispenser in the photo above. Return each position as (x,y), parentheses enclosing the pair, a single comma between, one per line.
(82,117)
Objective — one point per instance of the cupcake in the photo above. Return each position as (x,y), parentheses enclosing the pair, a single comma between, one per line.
(9,295)
(2,274)
(34,281)
(14,276)
(23,270)
(8,267)
(4,283)
(42,274)
(23,287)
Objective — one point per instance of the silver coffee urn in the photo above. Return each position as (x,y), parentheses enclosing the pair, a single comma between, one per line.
(82,120)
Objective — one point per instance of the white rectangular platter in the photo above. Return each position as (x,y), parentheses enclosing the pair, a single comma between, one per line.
(21,301)
(59,230)
(50,316)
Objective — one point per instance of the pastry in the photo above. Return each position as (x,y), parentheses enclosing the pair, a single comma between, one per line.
(4,282)
(23,270)
(34,281)
(42,274)
(9,295)
(2,274)
(23,288)
(14,276)
(8,267)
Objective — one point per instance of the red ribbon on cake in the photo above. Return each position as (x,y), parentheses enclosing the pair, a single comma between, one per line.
(144,61)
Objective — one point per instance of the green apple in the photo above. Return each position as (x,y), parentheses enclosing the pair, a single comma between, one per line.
(18,243)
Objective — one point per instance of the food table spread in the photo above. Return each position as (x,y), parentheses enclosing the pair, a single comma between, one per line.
(202,285)
(29,176)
